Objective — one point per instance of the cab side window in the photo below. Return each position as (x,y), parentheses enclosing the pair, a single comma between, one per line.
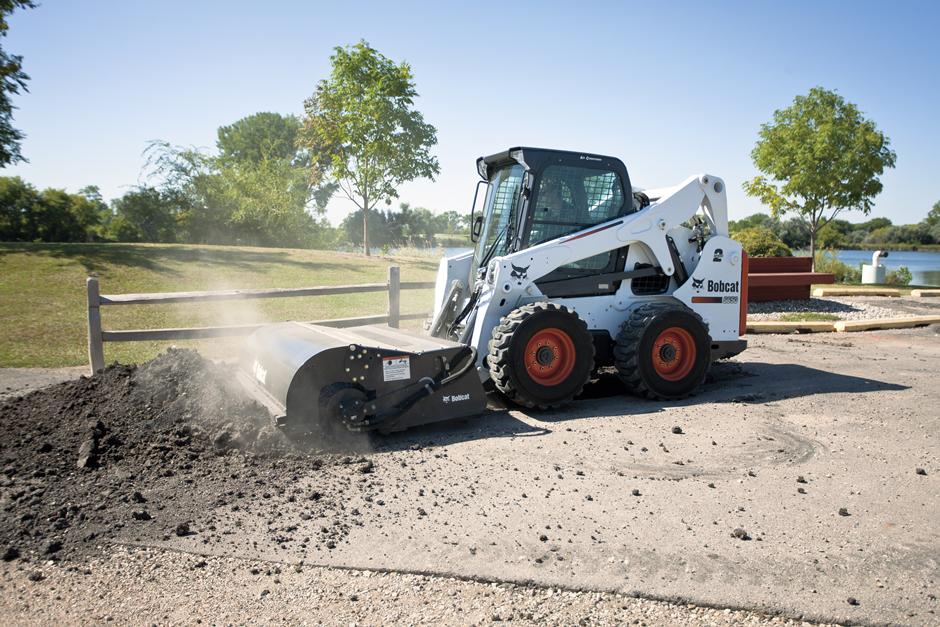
(570,199)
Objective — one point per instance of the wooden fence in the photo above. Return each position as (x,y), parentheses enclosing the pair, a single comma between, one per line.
(98,336)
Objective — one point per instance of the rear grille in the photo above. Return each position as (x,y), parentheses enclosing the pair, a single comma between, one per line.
(648,285)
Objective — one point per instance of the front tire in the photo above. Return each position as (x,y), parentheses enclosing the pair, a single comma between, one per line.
(541,355)
(663,351)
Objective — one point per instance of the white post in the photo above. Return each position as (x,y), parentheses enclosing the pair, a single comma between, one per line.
(95,341)
(394,296)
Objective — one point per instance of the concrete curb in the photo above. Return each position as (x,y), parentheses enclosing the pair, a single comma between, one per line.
(779,326)
(885,323)
(855,291)
(840,326)
(925,293)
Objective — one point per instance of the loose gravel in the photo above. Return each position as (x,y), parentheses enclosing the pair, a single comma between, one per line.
(865,308)
(138,586)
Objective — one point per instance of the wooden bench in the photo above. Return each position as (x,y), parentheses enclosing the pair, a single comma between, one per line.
(782,278)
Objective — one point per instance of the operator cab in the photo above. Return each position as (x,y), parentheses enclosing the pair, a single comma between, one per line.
(534,195)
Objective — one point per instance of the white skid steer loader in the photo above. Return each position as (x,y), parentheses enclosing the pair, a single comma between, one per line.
(574,269)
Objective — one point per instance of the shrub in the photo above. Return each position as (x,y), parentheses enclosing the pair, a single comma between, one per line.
(759,241)
(826,261)
(901,276)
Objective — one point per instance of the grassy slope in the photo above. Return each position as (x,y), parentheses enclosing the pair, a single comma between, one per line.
(42,293)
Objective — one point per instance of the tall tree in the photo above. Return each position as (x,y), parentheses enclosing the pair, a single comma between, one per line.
(260,136)
(819,157)
(362,127)
(12,80)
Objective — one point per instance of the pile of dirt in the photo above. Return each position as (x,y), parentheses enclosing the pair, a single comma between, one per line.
(145,454)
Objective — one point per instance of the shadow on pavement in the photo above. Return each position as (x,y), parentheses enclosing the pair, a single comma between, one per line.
(728,382)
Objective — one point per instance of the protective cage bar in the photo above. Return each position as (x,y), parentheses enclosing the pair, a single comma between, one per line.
(98,336)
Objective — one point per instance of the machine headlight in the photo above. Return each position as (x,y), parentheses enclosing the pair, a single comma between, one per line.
(491,271)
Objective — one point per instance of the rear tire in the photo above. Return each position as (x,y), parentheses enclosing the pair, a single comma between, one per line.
(541,355)
(663,351)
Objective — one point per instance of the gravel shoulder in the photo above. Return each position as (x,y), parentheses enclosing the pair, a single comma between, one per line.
(133,586)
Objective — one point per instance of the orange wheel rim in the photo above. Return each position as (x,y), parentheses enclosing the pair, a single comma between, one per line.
(549,356)
(674,354)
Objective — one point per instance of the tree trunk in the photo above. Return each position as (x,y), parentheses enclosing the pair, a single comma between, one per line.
(365,225)
(812,246)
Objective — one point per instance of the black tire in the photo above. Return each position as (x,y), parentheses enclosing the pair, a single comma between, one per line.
(679,370)
(557,372)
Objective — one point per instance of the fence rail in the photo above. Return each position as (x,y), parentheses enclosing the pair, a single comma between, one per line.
(98,336)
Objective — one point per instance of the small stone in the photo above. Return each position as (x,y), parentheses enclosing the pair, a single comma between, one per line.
(182,529)
(10,554)
(367,467)
(54,546)
(635,492)
(711,485)
(543,538)
(843,511)
(422,512)
(137,497)
(677,430)
(852,601)
(920,471)
(141,514)
(740,534)
(801,479)
(801,490)
(35,576)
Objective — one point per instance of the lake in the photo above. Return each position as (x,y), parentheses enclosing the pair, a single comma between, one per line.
(924,265)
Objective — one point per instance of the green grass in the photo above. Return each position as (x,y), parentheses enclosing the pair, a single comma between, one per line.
(42,293)
(807,316)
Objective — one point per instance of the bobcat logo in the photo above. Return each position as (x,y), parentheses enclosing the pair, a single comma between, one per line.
(697,283)
(519,272)
(719,254)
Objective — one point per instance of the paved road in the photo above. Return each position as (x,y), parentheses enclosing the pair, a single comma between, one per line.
(808,445)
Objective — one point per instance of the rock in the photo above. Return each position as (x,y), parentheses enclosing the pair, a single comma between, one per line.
(141,514)
(843,511)
(543,538)
(801,490)
(635,492)
(10,554)
(182,529)
(740,534)
(45,447)
(35,576)
(677,430)
(53,546)
(920,471)
(88,453)
(852,601)
(137,497)
(801,479)
(367,467)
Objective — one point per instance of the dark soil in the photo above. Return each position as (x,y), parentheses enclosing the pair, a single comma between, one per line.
(170,449)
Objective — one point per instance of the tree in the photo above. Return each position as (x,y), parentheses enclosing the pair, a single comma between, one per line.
(933,216)
(819,157)
(12,80)
(362,128)
(260,136)
(144,214)
(17,201)
(759,241)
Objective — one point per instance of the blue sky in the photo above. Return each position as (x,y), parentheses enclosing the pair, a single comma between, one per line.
(671,88)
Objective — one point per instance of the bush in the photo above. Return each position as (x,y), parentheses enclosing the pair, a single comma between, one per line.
(826,261)
(901,276)
(759,241)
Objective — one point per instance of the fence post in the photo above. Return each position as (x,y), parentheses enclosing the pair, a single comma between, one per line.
(95,341)
(394,296)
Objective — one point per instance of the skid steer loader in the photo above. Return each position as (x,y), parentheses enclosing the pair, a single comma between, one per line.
(573,270)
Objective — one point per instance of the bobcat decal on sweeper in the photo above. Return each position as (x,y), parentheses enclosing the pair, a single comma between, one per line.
(573,269)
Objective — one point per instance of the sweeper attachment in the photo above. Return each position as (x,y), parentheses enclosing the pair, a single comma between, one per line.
(312,377)
(574,270)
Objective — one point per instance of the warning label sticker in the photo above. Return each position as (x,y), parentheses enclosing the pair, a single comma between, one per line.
(396,368)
